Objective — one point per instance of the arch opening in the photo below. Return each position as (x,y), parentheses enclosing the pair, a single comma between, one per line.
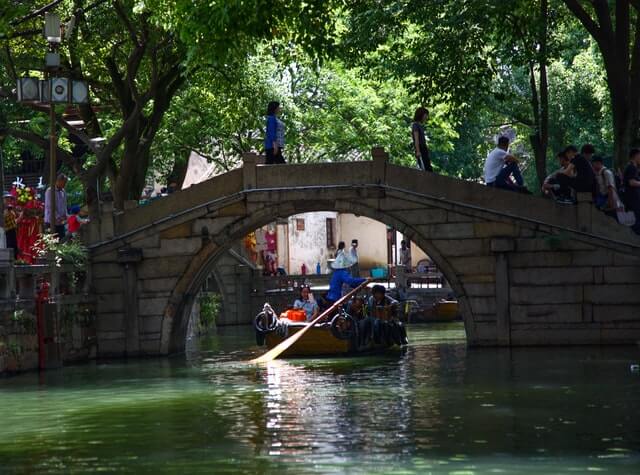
(310,237)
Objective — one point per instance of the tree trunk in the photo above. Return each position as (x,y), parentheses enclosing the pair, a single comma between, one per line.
(623,136)
(539,138)
(541,162)
(621,57)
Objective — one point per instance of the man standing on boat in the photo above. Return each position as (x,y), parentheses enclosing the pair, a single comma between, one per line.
(340,276)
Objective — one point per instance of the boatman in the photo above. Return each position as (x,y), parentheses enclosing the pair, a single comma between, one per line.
(340,276)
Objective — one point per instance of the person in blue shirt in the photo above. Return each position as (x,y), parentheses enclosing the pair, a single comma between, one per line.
(341,275)
(274,137)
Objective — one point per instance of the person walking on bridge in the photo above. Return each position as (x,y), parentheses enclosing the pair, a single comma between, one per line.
(419,140)
(274,137)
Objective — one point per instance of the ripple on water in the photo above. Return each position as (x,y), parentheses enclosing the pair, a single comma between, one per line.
(436,408)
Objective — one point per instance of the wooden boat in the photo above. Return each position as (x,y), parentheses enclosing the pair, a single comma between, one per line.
(441,311)
(446,310)
(328,339)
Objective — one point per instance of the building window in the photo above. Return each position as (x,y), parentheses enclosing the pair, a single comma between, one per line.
(299,224)
(331,233)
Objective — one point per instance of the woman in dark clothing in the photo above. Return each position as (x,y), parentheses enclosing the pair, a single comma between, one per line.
(419,140)
(578,175)
(274,138)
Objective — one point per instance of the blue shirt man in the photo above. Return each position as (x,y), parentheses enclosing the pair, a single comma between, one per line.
(341,275)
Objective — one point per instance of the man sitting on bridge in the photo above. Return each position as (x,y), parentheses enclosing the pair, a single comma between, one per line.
(501,169)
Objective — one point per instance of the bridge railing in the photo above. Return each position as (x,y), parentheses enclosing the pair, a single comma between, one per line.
(291,283)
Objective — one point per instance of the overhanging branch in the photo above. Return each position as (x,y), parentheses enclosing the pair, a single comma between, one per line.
(586,20)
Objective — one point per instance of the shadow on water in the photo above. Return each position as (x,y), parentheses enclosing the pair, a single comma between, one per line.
(437,407)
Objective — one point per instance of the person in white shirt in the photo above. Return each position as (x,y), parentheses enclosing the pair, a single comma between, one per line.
(606,194)
(501,169)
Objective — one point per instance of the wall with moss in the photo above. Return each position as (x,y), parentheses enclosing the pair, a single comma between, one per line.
(74,325)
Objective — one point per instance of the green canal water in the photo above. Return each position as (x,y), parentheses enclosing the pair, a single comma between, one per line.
(438,407)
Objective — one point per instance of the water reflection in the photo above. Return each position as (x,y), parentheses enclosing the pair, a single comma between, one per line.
(436,407)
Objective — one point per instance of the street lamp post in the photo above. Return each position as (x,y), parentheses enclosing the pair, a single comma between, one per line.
(52,90)
(53,34)
(53,145)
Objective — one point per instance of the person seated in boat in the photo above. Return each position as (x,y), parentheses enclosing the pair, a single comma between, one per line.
(381,305)
(307,303)
(357,308)
(341,276)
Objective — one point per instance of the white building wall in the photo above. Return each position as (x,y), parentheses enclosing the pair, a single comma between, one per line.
(371,236)
(309,246)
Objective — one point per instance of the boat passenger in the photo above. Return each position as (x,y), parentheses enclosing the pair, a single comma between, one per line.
(357,308)
(340,276)
(306,303)
(380,305)
(381,325)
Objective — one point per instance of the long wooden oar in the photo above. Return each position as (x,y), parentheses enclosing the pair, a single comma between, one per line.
(277,350)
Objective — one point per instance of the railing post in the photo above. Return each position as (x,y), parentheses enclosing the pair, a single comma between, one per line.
(9,278)
(250,170)
(379,169)
(129,258)
(502,247)
(585,212)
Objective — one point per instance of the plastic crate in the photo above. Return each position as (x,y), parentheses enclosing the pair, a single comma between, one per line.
(379,272)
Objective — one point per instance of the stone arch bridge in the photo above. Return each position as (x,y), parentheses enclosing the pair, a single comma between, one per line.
(526,271)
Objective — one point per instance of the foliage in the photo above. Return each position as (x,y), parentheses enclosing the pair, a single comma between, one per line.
(25,320)
(210,307)
(69,252)
(136,56)
(349,75)
(332,113)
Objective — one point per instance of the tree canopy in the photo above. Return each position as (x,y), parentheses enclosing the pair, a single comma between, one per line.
(168,77)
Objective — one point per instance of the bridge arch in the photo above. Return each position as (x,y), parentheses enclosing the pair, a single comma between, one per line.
(204,262)
(526,271)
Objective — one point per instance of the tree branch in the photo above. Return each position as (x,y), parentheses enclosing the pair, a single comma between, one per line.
(11,67)
(120,87)
(133,34)
(19,34)
(77,132)
(586,20)
(35,13)
(42,143)
(603,13)
(622,34)
(139,49)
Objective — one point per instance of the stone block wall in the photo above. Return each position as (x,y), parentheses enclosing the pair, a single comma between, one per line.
(75,332)
(525,270)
